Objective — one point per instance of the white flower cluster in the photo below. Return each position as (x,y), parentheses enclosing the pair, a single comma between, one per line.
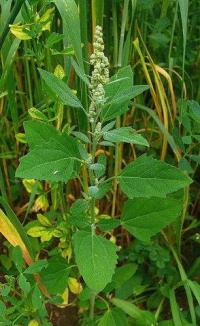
(100,74)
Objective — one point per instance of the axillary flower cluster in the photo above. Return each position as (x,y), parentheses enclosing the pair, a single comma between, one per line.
(100,76)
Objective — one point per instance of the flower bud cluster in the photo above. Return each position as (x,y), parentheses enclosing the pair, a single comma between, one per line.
(100,74)
(97,131)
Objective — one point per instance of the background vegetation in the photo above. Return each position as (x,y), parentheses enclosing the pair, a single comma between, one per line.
(155,282)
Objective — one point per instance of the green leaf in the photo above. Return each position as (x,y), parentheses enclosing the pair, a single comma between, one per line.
(79,214)
(147,177)
(24,284)
(123,274)
(96,259)
(114,317)
(36,298)
(80,72)
(38,132)
(125,135)
(81,136)
(55,160)
(195,288)
(194,110)
(142,317)
(195,158)
(2,309)
(119,92)
(108,224)
(144,217)
(102,190)
(37,114)
(18,258)
(36,267)
(175,308)
(55,276)
(60,90)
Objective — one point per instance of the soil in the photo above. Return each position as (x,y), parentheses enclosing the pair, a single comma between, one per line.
(63,316)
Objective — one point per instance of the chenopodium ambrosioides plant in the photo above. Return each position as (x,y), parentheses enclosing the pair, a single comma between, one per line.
(56,156)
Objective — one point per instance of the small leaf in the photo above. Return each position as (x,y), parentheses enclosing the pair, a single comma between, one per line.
(36,231)
(144,217)
(36,267)
(81,136)
(18,258)
(36,298)
(108,224)
(125,135)
(24,284)
(32,185)
(37,114)
(59,89)
(96,259)
(20,137)
(147,177)
(20,31)
(79,71)
(43,220)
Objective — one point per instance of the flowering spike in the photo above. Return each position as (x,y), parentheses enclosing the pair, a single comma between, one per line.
(100,74)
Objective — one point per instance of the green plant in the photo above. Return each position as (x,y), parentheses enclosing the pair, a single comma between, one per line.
(59,157)
(115,227)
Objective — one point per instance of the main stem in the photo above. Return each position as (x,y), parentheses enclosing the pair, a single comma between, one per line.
(92,303)
(92,208)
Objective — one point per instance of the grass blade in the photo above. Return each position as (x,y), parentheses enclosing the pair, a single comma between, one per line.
(70,17)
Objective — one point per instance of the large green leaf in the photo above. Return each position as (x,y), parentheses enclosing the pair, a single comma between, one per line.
(141,317)
(38,132)
(55,160)
(147,177)
(119,92)
(96,259)
(144,217)
(59,89)
(125,135)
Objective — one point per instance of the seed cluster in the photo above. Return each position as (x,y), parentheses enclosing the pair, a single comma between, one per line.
(100,75)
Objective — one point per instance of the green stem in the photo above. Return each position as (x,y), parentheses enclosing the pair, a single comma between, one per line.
(28,78)
(117,168)
(115,33)
(182,219)
(123,26)
(92,303)
(172,34)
